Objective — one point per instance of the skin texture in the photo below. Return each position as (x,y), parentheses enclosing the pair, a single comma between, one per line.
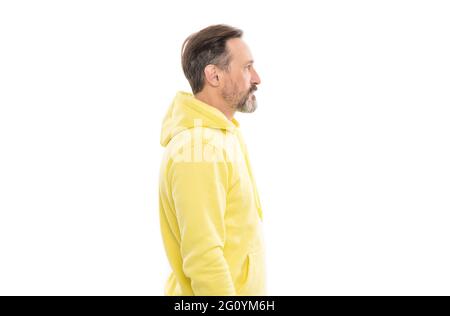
(231,90)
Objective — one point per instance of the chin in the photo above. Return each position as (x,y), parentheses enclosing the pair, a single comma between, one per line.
(252,105)
(249,108)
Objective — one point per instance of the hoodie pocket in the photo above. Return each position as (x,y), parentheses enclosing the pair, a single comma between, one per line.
(254,283)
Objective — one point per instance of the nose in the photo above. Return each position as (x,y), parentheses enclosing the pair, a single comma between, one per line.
(255,77)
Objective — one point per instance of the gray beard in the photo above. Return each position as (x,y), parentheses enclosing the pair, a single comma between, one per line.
(244,104)
(247,105)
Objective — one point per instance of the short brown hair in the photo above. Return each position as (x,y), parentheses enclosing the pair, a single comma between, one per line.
(205,47)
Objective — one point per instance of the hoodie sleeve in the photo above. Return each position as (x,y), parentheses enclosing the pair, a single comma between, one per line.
(199,194)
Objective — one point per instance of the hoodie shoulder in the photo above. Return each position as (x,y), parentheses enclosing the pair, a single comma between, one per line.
(187,112)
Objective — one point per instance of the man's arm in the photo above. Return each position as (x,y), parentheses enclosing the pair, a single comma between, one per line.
(199,194)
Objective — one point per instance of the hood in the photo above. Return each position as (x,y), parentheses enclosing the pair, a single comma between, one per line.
(183,112)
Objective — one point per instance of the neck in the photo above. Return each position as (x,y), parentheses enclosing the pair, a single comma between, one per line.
(217,102)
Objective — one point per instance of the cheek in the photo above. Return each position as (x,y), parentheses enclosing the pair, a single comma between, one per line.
(245,80)
(248,80)
(242,81)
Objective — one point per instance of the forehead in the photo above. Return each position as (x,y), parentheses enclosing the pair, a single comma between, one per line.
(239,50)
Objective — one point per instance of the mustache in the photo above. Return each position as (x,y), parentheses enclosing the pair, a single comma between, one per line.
(253,88)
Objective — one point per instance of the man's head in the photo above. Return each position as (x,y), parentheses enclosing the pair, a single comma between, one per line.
(217,61)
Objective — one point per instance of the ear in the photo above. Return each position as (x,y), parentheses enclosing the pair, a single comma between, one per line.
(212,75)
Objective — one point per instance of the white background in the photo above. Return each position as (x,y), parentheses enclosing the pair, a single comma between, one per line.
(349,145)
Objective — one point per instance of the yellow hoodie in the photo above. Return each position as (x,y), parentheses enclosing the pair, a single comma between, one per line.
(210,213)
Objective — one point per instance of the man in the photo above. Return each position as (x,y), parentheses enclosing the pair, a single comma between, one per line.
(210,211)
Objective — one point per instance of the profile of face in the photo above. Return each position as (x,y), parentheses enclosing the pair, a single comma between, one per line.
(240,80)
